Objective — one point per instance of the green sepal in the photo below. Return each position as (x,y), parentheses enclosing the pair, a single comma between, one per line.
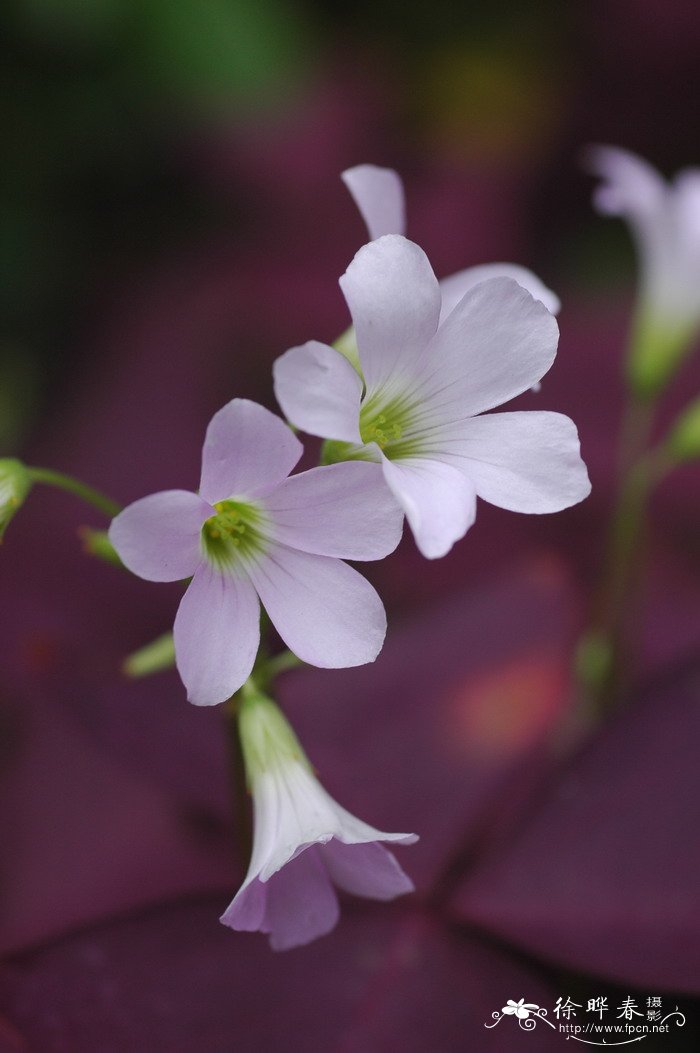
(346,344)
(15,484)
(96,543)
(153,658)
(683,441)
(656,352)
(267,737)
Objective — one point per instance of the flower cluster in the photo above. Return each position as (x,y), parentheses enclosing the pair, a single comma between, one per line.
(404,406)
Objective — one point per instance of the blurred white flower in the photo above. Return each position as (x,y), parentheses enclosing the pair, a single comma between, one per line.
(664,219)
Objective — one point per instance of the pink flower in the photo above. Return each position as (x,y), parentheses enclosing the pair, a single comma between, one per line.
(419,408)
(251,535)
(304,843)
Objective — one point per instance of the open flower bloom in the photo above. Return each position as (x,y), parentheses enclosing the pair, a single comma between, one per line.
(664,219)
(252,532)
(426,384)
(304,843)
(379,195)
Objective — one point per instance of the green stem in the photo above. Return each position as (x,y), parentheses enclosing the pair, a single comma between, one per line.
(243,820)
(611,637)
(86,493)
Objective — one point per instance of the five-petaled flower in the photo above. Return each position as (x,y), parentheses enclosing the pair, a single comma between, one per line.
(665,222)
(252,532)
(521,1008)
(304,843)
(426,381)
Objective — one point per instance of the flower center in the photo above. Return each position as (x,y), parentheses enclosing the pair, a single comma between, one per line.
(235,534)
(389,424)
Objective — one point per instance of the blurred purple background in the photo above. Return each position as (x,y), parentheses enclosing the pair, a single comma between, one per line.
(172,220)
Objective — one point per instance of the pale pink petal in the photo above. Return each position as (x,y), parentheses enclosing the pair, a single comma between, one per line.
(526,462)
(325,612)
(394,300)
(319,391)
(343,510)
(217,632)
(297,905)
(439,502)
(365,870)
(158,537)
(247,450)
(631,186)
(495,344)
(246,911)
(454,287)
(378,193)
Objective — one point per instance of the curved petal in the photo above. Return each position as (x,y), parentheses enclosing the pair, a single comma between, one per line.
(217,632)
(497,343)
(632,187)
(378,193)
(394,300)
(365,870)
(297,905)
(325,612)
(454,287)
(157,537)
(526,462)
(247,450)
(344,510)
(439,502)
(319,391)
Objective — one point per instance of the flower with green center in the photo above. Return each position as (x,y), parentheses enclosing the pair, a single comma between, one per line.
(665,223)
(251,534)
(304,842)
(426,381)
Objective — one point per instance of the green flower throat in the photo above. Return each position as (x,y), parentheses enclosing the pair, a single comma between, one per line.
(389,424)
(235,534)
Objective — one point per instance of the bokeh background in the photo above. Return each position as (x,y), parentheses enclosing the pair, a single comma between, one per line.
(171,220)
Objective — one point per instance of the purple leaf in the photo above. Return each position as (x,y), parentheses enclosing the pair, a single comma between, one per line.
(603,876)
(175,980)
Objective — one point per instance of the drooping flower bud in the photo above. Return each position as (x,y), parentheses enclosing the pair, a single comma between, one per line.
(304,844)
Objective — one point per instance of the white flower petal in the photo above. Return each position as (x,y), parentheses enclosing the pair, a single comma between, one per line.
(217,633)
(343,510)
(496,343)
(394,300)
(439,502)
(526,462)
(326,612)
(378,193)
(454,287)
(158,537)
(319,391)
(247,450)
